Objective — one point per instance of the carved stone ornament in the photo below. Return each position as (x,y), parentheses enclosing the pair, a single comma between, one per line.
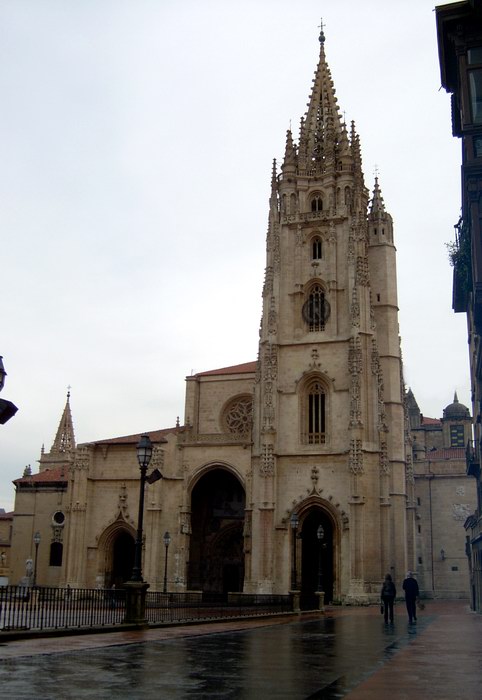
(461,511)
(81,459)
(267,461)
(356,457)
(362,276)
(384,463)
(355,309)
(268,281)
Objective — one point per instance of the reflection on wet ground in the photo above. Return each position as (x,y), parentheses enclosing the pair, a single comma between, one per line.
(323,658)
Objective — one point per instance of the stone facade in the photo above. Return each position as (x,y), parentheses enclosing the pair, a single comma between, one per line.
(292,472)
(444,497)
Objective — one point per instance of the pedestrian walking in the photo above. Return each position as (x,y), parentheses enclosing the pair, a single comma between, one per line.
(387,596)
(410,586)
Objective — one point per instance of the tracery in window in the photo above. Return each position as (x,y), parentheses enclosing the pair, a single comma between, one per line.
(238,416)
(316,309)
(314,413)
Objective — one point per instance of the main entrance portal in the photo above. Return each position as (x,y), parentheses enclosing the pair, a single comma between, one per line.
(316,557)
(216,559)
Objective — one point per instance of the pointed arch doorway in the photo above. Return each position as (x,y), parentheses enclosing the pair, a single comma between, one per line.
(317,557)
(216,558)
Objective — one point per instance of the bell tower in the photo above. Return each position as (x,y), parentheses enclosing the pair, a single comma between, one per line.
(328,432)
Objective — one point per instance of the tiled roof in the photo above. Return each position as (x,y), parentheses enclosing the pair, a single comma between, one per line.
(155,435)
(447,453)
(47,476)
(431,421)
(246,368)
(6,516)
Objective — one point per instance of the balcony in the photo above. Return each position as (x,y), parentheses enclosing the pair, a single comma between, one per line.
(472,459)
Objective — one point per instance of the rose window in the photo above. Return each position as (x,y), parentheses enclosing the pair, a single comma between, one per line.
(239,415)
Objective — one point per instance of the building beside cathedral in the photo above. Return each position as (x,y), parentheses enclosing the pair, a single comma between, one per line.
(303,456)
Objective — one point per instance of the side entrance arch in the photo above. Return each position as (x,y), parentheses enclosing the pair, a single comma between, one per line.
(216,558)
(317,556)
(116,554)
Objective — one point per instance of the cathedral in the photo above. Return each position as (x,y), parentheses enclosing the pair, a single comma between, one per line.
(294,472)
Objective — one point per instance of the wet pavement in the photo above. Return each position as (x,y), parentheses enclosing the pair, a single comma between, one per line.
(349,652)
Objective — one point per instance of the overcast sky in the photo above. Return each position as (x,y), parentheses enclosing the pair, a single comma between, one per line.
(136,141)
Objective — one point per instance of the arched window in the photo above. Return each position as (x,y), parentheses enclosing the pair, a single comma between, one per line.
(316,309)
(316,248)
(56,550)
(314,414)
(316,203)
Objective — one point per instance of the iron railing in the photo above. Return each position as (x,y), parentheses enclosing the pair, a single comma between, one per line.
(40,608)
(181,607)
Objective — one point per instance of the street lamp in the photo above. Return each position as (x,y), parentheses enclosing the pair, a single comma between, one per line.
(144,454)
(167,542)
(36,541)
(320,533)
(294,520)
(7,408)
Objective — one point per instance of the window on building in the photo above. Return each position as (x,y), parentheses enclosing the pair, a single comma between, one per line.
(474,60)
(457,436)
(315,413)
(56,551)
(316,309)
(316,203)
(316,248)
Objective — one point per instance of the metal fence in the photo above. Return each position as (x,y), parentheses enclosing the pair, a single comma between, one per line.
(40,608)
(23,608)
(179,607)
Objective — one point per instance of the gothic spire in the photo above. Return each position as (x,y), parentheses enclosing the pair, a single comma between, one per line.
(321,128)
(378,205)
(64,440)
(290,158)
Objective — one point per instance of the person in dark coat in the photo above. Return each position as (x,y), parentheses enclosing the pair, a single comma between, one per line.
(410,586)
(387,595)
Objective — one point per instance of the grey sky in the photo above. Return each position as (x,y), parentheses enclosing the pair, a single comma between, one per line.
(137,139)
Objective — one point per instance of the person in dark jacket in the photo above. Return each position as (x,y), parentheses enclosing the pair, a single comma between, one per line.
(410,586)
(387,595)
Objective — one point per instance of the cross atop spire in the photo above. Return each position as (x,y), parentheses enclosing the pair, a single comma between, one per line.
(322,33)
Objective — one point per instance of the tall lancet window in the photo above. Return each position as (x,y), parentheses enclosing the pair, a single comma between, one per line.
(314,309)
(316,248)
(315,413)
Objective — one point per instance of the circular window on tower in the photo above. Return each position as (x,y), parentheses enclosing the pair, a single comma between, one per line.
(238,416)
(58,518)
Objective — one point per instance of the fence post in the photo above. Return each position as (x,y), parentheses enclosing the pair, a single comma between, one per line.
(295,601)
(136,602)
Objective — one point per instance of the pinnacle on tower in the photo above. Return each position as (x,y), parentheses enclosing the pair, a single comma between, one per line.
(64,439)
(378,204)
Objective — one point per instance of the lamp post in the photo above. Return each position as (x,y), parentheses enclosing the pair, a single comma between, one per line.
(7,408)
(167,542)
(144,453)
(320,533)
(36,541)
(294,520)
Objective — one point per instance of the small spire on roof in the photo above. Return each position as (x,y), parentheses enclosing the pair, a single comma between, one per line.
(378,205)
(456,398)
